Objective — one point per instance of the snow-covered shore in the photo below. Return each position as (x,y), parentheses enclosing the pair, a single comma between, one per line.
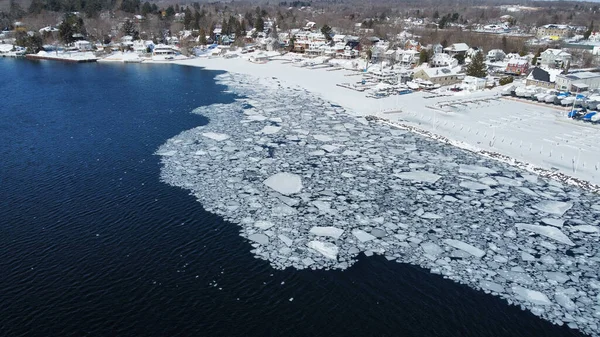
(533,133)
(313,187)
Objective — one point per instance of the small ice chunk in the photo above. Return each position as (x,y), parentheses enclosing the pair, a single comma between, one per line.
(286,240)
(550,232)
(431,248)
(474,169)
(531,296)
(216,136)
(329,231)
(553,207)
(492,286)
(419,176)
(557,276)
(329,148)
(585,229)
(261,224)
(465,247)
(527,257)
(471,185)
(563,300)
(327,249)
(259,238)
(284,183)
(323,138)
(167,153)
(553,222)
(362,236)
(270,129)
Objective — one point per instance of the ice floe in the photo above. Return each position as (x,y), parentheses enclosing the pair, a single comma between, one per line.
(312,187)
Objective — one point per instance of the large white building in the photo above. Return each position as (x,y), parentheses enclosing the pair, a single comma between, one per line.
(578,81)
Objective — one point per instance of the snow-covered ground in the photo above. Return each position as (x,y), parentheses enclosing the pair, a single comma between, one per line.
(533,133)
(75,56)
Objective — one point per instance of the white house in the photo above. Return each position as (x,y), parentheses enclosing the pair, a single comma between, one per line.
(443,60)
(456,49)
(495,55)
(83,45)
(407,57)
(580,81)
(554,58)
(471,83)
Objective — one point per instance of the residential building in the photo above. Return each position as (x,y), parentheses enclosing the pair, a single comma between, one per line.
(580,81)
(544,78)
(407,57)
(440,76)
(517,67)
(443,60)
(495,55)
(412,45)
(457,49)
(554,58)
(471,83)
(553,30)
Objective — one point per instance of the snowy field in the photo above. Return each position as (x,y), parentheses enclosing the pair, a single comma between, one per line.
(312,187)
(532,133)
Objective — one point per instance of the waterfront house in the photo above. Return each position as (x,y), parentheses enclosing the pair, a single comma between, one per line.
(554,58)
(457,49)
(439,76)
(517,67)
(443,60)
(495,55)
(542,77)
(579,81)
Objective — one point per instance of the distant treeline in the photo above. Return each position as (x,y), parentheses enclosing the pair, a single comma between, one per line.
(294,4)
(91,7)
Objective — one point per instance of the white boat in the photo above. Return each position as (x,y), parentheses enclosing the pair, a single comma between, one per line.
(568,101)
(550,98)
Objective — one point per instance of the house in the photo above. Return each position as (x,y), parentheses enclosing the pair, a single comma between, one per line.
(580,81)
(412,45)
(553,30)
(443,60)
(439,76)
(457,49)
(407,57)
(544,78)
(437,48)
(471,83)
(495,55)
(555,58)
(82,45)
(517,67)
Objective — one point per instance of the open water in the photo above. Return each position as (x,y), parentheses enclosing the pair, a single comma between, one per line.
(92,243)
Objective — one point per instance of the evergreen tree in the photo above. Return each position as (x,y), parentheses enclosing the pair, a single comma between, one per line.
(170,12)
(36,7)
(71,24)
(129,29)
(259,24)
(146,8)
(188,18)
(154,8)
(327,31)
(202,36)
(477,68)
(224,27)
(589,31)
(423,56)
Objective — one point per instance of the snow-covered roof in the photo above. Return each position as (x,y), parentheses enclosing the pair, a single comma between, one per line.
(458,47)
(439,72)
(556,52)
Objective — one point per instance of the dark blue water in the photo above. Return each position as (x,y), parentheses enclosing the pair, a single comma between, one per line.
(92,243)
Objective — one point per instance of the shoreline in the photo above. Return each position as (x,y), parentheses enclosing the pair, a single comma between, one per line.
(562,161)
(455,213)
